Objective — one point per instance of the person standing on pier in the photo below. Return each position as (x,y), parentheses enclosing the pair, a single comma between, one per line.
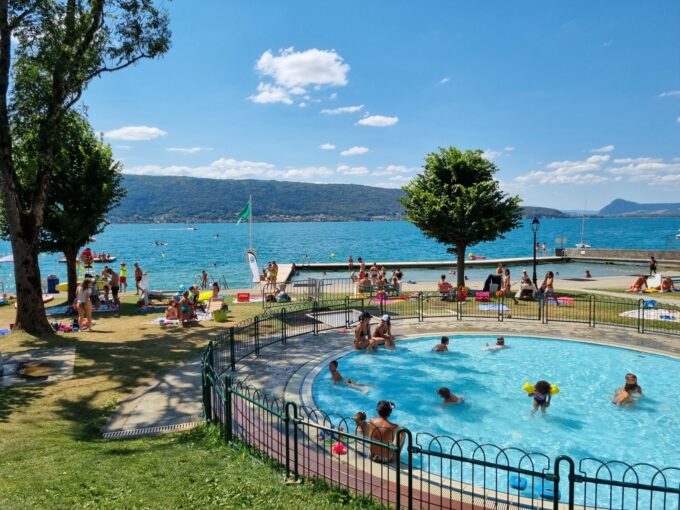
(350,263)
(652,266)
(545,250)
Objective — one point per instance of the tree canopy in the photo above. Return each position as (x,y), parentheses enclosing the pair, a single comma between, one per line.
(61,45)
(456,201)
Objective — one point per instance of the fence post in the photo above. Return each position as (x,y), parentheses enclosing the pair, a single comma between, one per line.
(287,422)
(315,314)
(459,308)
(207,386)
(409,467)
(542,314)
(282,317)
(641,316)
(571,479)
(347,311)
(592,311)
(227,409)
(256,324)
(501,307)
(232,350)
(421,306)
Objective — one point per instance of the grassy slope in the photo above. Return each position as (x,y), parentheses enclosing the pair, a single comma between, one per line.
(53,457)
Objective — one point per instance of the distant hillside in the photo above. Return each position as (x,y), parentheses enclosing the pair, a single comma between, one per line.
(191,200)
(625,208)
(153,199)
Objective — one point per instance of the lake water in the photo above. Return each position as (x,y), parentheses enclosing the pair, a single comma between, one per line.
(187,252)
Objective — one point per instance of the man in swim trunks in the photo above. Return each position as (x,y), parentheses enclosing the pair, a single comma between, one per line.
(362,267)
(638,284)
(123,276)
(666,285)
(449,398)
(138,277)
(114,283)
(383,332)
(444,288)
(362,333)
(204,280)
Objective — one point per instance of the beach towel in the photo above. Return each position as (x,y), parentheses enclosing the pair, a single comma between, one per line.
(654,314)
(62,309)
(495,306)
(253,299)
(383,301)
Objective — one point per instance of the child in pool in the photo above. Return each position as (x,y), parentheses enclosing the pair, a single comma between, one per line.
(363,427)
(541,396)
(338,378)
(500,344)
(628,391)
(443,346)
(449,398)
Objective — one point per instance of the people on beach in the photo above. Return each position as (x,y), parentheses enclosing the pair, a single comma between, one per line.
(123,277)
(666,285)
(383,333)
(630,391)
(442,346)
(171,313)
(105,274)
(84,303)
(527,289)
(362,333)
(652,265)
(273,272)
(448,397)
(185,308)
(587,275)
(215,290)
(204,280)
(541,396)
(138,278)
(638,285)
(444,288)
(362,267)
(350,263)
(114,282)
(499,269)
(374,273)
(544,248)
(547,288)
(384,431)
(507,284)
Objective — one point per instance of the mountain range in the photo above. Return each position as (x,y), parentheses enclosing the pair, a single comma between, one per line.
(154,199)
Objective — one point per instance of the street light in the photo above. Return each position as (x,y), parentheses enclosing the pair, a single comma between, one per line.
(535,225)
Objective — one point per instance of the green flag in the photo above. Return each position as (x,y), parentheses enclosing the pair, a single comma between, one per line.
(244,214)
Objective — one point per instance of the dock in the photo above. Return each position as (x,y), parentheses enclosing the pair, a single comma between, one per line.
(432,264)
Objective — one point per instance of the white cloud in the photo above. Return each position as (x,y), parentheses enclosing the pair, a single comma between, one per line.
(543,177)
(327,146)
(268,93)
(123,147)
(188,150)
(135,133)
(352,170)
(670,93)
(491,154)
(604,149)
(307,172)
(223,168)
(342,109)
(394,169)
(509,149)
(444,80)
(292,68)
(333,96)
(378,121)
(354,151)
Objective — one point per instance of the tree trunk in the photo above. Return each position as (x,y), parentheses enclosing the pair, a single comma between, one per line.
(31,315)
(71,254)
(460,263)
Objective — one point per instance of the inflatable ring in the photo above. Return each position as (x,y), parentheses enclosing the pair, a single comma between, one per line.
(529,388)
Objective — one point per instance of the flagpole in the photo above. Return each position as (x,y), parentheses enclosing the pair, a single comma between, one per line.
(251,221)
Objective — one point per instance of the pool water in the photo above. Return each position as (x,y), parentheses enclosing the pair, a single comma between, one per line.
(581,422)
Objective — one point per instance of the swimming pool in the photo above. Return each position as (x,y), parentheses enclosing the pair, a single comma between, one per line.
(581,422)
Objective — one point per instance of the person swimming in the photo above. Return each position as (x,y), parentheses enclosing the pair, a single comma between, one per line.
(541,396)
(629,392)
(442,346)
(448,397)
(499,345)
(337,378)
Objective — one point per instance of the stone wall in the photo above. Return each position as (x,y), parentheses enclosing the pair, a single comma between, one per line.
(667,256)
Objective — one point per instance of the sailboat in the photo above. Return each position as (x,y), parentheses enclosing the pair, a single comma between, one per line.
(583,227)
(251,257)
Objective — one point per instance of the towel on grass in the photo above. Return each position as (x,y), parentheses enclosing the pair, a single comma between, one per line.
(494,306)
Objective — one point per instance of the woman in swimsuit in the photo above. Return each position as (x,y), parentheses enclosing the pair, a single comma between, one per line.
(84,303)
(384,431)
(362,334)
(185,308)
(383,333)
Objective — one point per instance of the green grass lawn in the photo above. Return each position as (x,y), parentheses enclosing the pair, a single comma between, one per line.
(52,454)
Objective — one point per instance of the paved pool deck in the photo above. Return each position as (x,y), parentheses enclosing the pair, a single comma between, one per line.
(173,401)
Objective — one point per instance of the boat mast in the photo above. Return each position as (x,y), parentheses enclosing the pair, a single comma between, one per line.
(250,243)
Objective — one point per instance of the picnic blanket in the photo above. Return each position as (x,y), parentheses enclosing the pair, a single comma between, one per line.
(62,309)
(200,316)
(494,306)
(253,299)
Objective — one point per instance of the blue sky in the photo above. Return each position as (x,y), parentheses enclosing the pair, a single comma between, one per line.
(575,102)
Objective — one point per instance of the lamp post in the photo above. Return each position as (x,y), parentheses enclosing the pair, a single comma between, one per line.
(535,224)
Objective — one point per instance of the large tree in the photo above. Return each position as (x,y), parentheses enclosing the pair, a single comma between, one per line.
(66,44)
(86,185)
(456,201)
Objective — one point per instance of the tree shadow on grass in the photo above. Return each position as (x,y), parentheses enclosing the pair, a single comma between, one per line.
(16,398)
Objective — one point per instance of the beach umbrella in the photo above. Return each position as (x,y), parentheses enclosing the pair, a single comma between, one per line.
(8,258)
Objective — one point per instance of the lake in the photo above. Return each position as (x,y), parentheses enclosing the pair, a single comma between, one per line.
(220,248)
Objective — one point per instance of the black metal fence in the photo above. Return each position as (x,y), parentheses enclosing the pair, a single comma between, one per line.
(408,470)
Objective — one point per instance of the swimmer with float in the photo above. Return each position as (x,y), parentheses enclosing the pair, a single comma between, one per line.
(542,393)
(630,391)
(500,345)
